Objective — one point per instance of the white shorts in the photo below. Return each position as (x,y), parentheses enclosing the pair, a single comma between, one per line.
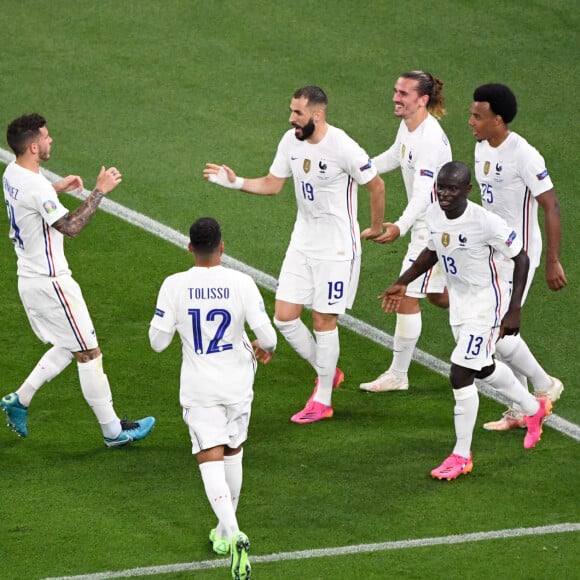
(326,286)
(57,312)
(529,280)
(220,425)
(475,345)
(432,281)
(531,274)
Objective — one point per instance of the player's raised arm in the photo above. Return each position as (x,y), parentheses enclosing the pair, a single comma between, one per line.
(226,177)
(72,223)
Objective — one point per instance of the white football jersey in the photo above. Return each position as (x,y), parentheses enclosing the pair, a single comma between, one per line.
(33,206)
(475,252)
(420,154)
(326,177)
(209,307)
(510,178)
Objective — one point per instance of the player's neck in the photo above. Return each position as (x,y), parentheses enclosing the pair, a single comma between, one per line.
(456,212)
(208,262)
(319,133)
(30,163)
(497,139)
(416,119)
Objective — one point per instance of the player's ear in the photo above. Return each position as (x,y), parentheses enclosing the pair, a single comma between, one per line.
(190,248)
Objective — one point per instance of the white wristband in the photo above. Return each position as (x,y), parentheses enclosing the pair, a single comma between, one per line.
(221,178)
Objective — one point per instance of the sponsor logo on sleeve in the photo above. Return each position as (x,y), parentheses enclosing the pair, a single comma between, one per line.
(511,239)
(159,312)
(368,165)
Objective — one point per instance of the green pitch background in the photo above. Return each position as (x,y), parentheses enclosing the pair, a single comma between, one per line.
(160,88)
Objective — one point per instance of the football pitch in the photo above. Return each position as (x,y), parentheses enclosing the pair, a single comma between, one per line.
(158,89)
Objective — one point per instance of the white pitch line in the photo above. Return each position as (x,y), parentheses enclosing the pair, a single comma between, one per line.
(325,552)
(266,281)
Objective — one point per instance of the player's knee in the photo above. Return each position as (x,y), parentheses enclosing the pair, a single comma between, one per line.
(84,356)
(461,376)
(506,346)
(285,325)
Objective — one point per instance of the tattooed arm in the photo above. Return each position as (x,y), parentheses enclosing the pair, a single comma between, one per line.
(72,223)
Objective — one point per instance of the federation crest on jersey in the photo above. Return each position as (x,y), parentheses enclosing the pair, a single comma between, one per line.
(49,206)
(403,149)
(306,165)
(486,167)
(445,239)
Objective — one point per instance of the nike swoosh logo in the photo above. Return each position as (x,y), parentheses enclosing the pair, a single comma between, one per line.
(293,158)
(469,357)
(333,303)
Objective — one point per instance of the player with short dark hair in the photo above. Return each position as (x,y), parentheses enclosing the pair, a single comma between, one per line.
(480,256)
(322,263)
(209,305)
(514,181)
(52,299)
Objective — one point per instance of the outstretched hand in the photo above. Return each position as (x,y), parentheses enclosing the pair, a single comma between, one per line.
(392,233)
(391,298)
(108,179)
(68,183)
(370,234)
(222,175)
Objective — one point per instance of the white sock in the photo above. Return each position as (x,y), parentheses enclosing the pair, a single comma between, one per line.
(51,364)
(97,393)
(218,493)
(464,417)
(407,333)
(327,353)
(514,351)
(299,338)
(234,475)
(504,381)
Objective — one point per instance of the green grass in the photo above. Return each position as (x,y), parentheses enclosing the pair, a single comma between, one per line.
(158,89)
